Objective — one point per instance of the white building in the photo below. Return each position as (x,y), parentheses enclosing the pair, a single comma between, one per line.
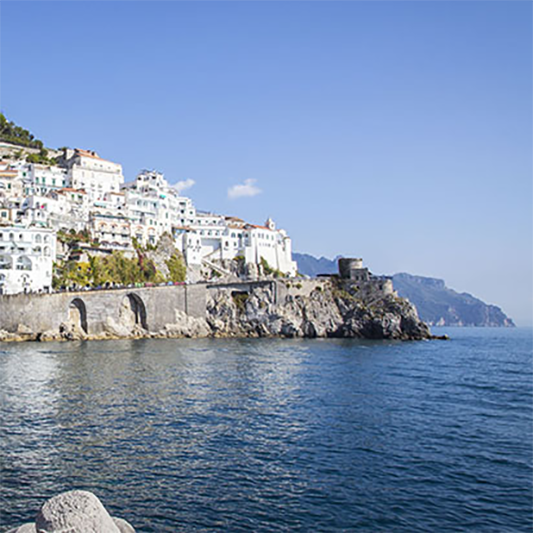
(111,229)
(86,192)
(59,209)
(268,243)
(214,237)
(41,179)
(10,183)
(26,259)
(154,207)
(97,176)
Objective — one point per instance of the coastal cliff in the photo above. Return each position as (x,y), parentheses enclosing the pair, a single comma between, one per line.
(441,306)
(314,308)
(323,307)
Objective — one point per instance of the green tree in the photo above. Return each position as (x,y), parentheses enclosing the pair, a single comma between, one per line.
(177,271)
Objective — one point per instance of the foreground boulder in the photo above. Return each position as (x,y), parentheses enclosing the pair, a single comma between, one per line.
(76,511)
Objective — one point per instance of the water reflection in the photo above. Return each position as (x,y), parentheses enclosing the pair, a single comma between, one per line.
(261,434)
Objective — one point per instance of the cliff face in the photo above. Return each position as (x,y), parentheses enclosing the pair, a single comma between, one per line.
(440,306)
(314,308)
(323,307)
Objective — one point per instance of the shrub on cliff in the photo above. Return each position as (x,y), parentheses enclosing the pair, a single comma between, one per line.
(177,270)
(270,271)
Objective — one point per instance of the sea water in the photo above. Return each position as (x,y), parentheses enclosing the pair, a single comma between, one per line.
(274,435)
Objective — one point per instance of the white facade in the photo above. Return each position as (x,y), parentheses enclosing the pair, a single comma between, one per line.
(214,237)
(154,207)
(88,193)
(10,183)
(112,230)
(26,259)
(61,209)
(97,176)
(41,179)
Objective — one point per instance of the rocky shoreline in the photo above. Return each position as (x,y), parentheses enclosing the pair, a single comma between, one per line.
(322,307)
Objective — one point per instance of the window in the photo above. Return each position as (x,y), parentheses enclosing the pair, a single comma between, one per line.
(23,263)
(5,262)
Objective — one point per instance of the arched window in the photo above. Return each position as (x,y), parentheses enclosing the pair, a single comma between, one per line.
(46,250)
(46,238)
(11,236)
(23,263)
(37,250)
(38,238)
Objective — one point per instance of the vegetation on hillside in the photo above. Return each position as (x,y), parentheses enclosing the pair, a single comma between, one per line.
(41,158)
(11,133)
(115,269)
(270,271)
(73,237)
(176,268)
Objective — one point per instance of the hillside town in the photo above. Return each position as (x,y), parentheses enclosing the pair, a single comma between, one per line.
(79,192)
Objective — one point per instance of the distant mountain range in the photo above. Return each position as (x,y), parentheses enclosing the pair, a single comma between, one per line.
(437,304)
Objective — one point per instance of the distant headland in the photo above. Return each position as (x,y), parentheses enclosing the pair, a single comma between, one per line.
(437,304)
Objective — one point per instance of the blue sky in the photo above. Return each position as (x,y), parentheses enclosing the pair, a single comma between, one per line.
(396,131)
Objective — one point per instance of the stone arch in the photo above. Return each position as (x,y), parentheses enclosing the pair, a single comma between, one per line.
(77,314)
(132,312)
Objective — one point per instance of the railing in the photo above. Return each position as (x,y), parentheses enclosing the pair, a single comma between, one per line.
(115,286)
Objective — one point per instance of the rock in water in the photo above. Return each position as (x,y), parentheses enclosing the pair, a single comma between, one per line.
(78,511)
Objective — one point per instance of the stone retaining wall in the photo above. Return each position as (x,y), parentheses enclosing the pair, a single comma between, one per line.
(153,307)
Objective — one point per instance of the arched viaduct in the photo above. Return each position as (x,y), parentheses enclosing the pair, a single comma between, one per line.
(150,308)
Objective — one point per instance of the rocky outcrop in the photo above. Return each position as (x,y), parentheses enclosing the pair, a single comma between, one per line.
(77,511)
(314,308)
(164,250)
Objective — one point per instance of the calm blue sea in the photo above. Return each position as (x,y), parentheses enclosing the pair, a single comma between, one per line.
(275,435)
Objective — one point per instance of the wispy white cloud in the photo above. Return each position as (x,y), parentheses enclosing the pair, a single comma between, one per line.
(184,185)
(244,189)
